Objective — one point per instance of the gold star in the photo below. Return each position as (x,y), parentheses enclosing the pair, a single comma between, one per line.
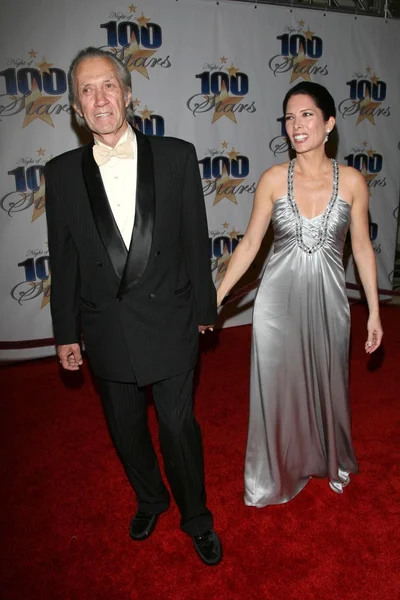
(366,108)
(40,151)
(142,20)
(39,200)
(222,264)
(32,54)
(46,292)
(233,234)
(225,104)
(225,225)
(136,102)
(132,8)
(233,154)
(369,69)
(371,152)
(300,62)
(137,57)
(308,34)
(146,113)
(224,144)
(225,187)
(233,70)
(34,103)
(375,79)
(44,66)
(301,23)
(223,60)
(365,144)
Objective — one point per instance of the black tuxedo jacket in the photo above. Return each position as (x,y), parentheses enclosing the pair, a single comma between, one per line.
(138,310)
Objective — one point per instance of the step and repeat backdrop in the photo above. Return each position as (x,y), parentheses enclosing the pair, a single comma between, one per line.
(213,73)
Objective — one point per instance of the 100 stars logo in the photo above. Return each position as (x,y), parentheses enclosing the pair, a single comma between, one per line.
(301,54)
(34,88)
(367,95)
(135,40)
(223,92)
(224,174)
(36,282)
(222,243)
(28,187)
(370,164)
(147,121)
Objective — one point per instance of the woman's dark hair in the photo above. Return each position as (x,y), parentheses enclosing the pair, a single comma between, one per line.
(318,93)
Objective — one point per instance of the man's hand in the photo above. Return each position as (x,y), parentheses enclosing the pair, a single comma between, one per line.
(203,328)
(70,356)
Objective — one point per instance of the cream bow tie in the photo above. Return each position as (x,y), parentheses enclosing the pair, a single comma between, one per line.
(102,154)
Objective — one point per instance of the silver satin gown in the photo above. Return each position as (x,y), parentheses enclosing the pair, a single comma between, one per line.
(299,411)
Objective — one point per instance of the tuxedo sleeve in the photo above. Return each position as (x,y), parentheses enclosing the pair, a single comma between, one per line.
(64,267)
(196,243)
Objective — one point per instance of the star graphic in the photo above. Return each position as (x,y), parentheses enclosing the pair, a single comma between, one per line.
(225,101)
(40,151)
(44,287)
(136,102)
(225,225)
(301,23)
(39,200)
(233,234)
(233,70)
(35,102)
(142,20)
(367,105)
(225,187)
(308,34)
(223,60)
(300,62)
(146,113)
(371,152)
(233,154)
(46,292)
(222,264)
(136,58)
(375,79)
(44,66)
(132,8)
(32,54)
(369,69)
(224,144)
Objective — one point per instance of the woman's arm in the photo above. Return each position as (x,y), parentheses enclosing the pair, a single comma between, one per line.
(249,246)
(364,256)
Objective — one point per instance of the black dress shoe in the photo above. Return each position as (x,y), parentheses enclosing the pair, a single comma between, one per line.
(208,547)
(142,525)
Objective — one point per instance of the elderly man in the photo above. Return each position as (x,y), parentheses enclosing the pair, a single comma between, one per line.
(130,270)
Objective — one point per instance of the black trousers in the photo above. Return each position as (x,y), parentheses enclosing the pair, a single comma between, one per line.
(125,408)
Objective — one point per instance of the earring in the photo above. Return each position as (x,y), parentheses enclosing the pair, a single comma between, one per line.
(327,136)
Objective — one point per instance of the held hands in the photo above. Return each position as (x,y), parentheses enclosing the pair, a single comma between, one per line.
(70,356)
(203,328)
(375,333)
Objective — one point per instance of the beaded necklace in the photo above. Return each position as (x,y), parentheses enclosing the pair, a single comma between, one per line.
(322,232)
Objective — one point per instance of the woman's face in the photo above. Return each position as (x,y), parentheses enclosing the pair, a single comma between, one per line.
(305,123)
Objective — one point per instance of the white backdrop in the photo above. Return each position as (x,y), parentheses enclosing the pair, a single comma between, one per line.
(214,73)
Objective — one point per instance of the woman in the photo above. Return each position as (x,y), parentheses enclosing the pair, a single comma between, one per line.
(299,412)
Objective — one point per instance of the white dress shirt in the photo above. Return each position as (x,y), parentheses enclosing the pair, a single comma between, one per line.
(119,177)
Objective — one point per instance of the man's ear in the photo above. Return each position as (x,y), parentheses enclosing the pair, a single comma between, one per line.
(78,110)
(128,98)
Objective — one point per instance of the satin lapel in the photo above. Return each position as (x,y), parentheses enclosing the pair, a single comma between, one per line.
(102,213)
(142,233)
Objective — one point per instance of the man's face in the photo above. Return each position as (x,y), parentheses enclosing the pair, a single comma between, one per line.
(102,99)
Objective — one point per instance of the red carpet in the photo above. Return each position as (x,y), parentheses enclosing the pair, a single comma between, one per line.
(66,504)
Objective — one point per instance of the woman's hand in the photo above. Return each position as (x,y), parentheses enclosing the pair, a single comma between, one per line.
(375,333)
